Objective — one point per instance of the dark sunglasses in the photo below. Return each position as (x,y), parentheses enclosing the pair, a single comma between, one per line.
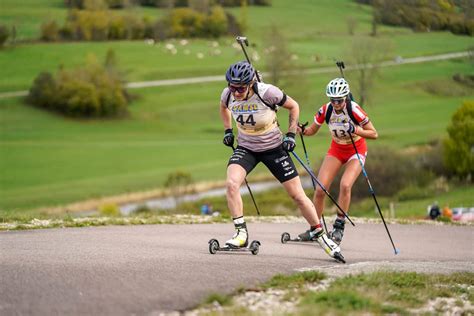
(238,89)
(337,101)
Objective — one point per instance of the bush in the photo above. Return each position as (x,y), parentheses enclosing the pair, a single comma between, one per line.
(185,22)
(215,24)
(389,172)
(4,34)
(458,155)
(117,28)
(109,210)
(432,159)
(135,27)
(424,16)
(50,31)
(90,91)
(43,92)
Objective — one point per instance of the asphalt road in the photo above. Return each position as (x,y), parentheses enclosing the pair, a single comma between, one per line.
(125,270)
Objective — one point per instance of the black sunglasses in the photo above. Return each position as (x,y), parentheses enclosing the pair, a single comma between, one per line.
(238,89)
(337,100)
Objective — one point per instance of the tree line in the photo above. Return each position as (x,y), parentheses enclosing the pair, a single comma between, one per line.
(456,16)
(119,4)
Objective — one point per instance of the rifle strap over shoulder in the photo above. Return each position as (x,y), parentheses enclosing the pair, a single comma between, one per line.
(349,112)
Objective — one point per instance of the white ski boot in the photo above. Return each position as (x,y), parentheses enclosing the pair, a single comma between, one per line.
(329,246)
(239,239)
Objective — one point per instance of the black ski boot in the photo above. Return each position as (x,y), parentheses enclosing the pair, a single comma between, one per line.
(338,230)
(307,236)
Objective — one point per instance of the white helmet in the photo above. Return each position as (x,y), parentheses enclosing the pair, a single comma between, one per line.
(337,88)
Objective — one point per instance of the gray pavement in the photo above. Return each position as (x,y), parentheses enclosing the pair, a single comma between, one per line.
(142,270)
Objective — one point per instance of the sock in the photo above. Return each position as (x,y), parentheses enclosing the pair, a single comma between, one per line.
(341,217)
(316,227)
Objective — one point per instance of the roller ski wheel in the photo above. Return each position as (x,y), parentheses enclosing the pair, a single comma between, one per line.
(285,237)
(214,247)
(339,257)
(254,247)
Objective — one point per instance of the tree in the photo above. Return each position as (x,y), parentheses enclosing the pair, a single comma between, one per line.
(277,53)
(4,34)
(281,65)
(351,25)
(243,18)
(459,146)
(366,53)
(178,182)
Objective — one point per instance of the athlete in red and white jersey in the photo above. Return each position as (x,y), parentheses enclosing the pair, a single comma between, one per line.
(343,117)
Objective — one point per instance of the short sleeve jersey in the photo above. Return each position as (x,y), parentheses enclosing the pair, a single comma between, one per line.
(256,122)
(336,122)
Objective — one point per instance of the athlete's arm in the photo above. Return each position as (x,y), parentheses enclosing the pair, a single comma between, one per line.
(367,131)
(294,109)
(312,129)
(226,116)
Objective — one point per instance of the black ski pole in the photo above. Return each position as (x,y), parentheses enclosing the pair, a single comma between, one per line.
(243,40)
(250,191)
(322,187)
(340,64)
(302,126)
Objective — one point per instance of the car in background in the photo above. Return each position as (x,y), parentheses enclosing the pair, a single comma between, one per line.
(463,214)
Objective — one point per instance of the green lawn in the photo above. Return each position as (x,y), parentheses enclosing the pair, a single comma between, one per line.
(140,61)
(309,28)
(47,159)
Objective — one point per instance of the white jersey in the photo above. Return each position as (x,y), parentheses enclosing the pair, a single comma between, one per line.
(337,122)
(256,122)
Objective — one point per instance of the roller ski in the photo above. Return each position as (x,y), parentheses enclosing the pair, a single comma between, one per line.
(214,247)
(328,245)
(238,243)
(303,237)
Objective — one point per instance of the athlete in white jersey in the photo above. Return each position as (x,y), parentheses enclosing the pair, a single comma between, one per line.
(253,106)
(343,117)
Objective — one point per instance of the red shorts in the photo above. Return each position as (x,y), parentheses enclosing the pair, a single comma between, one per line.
(346,153)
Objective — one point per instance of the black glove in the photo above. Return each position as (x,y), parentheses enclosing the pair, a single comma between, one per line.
(228,137)
(350,128)
(289,143)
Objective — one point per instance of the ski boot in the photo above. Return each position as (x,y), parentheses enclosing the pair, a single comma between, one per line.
(307,236)
(240,239)
(337,231)
(329,246)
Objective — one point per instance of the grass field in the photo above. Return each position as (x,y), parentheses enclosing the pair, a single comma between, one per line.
(53,160)
(140,61)
(48,160)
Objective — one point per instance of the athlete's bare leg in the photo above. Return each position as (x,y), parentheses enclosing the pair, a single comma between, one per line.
(350,175)
(327,172)
(235,177)
(296,192)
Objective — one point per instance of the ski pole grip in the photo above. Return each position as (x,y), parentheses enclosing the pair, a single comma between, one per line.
(302,126)
(242,39)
